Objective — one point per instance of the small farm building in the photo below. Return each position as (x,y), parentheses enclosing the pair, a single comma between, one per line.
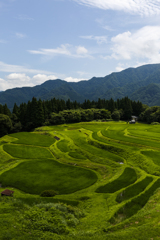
(7,192)
(132,121)
(135,118)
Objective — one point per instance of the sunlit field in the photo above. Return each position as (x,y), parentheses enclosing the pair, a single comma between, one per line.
(106,176)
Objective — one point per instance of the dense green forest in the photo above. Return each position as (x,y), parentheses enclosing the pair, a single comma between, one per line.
(37,113)
(142,83)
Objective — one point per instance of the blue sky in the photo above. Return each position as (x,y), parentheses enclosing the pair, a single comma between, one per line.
(75,39)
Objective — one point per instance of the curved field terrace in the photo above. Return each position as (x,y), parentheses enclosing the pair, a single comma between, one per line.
(109,170)
(36,176)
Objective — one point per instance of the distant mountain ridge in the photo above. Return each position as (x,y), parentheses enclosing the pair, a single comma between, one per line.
(142,83)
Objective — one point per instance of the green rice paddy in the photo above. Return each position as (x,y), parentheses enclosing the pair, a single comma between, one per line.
(128,177)
(36,176)
(33,139)
(134,190)
(63,146)
(76,155)
(107,175)
(22,151)
(153,156)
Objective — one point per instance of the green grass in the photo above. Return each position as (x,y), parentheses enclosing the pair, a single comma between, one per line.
(137,203)
(94,153)
(21,151)
(125,179)
(119,201)
(31,201)
(153,155)
(110,151)
(119,134)
(63,146)
(134,190)
(76,155)
(36,176)
(33,139)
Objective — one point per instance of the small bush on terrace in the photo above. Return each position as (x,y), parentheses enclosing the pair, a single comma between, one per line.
(48,193)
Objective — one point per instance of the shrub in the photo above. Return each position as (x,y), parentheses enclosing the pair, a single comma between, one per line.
(48,193)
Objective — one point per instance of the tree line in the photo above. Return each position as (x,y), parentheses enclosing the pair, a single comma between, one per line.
(37,113)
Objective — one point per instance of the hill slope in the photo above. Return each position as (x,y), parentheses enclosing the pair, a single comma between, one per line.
(136,83)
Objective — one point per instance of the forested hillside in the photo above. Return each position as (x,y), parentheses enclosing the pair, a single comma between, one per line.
(140,83)
(37,113)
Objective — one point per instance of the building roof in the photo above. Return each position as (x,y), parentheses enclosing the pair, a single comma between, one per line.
(7,192)
(57,138)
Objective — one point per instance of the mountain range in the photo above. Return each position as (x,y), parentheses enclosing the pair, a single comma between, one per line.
(141,83)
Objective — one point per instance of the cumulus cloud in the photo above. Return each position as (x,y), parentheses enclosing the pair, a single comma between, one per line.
(40,78)
(98,39)
(71,79)
(65,50)
(119,69)
(22,80)
(141,7)
(14,80)
(142,44)
(18,76)
(4,84)
(81,50)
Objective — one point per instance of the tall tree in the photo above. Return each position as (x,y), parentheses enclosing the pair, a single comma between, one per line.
(5,124)
(6,110)
(111,105)
(40,114)
(15,110)
(127,109)
(1,109)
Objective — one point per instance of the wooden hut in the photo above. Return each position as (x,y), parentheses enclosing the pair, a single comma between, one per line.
(7,192)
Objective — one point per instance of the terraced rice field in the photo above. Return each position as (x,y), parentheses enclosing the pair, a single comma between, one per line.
(110,170)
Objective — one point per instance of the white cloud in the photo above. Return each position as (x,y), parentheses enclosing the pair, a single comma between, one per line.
(4,67)
(20,35)
(142,44)
(71,79)
(141,7)
(3,85)
(14,80)
(119,69)
(81,50)
(57,51)
(98,39)
(22,80)
(64,49)
(40,78)
(15,77)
